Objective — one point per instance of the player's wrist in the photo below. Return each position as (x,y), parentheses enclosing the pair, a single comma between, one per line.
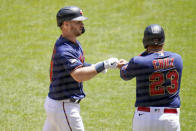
(99,67)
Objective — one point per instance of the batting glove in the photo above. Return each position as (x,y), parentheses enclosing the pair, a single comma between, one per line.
(110,63)
(107,64)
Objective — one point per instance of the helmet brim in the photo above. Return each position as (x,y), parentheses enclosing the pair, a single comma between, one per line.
(80,18)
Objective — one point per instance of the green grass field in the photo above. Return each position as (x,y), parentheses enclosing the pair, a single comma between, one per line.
(115,28)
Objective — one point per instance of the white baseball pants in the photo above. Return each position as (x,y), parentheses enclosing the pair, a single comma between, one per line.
(156,120)
(62,116)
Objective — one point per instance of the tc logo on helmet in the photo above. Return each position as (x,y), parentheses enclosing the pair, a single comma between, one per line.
(156,29)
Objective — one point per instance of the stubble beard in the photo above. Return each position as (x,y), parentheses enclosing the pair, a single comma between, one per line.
(76,32)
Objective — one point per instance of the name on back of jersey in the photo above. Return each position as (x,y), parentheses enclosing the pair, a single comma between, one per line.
(163,63)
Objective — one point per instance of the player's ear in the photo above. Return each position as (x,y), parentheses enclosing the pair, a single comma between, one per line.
(65,25)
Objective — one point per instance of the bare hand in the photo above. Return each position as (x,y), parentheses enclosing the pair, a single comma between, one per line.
(121,63)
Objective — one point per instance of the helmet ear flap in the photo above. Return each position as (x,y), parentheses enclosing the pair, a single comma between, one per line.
(145,43)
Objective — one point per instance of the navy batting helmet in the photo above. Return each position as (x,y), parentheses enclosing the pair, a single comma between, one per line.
(153,35)
(69,13)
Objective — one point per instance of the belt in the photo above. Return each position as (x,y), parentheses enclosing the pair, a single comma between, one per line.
(165,110)
(72,100)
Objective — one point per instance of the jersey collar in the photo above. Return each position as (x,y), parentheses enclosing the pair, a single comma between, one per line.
(65,40)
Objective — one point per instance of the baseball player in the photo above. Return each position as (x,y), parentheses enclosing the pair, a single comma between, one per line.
(158,77)
(67,72)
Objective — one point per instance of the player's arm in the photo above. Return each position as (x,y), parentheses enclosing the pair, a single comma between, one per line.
(127,70)
(86,73)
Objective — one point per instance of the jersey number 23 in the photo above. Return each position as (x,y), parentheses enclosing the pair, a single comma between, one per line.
(157,80)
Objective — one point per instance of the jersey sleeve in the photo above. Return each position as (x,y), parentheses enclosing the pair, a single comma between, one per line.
(179,62)
(86,64)
(69,60)
(127,71)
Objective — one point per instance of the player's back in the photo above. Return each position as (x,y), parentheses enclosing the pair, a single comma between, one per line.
(158,79)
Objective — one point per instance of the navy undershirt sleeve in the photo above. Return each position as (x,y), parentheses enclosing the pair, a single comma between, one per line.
(86,64)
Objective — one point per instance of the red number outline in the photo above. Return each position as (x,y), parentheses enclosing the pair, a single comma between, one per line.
(174,77)
(156,83)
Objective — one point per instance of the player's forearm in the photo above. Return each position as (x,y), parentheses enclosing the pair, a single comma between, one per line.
(84,73)
(125,74)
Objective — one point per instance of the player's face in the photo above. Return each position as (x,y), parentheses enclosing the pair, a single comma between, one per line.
(76,27)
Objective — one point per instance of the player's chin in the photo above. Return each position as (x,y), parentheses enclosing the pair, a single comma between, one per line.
(79,33)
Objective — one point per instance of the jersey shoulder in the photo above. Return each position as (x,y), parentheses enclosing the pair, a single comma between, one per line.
(142,58)
(172,54)
(63,47)
(138,61)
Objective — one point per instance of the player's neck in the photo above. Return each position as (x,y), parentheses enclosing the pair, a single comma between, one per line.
(155,50)
(70,38)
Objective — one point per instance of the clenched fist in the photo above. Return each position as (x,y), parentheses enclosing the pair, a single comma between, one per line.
(121,63)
